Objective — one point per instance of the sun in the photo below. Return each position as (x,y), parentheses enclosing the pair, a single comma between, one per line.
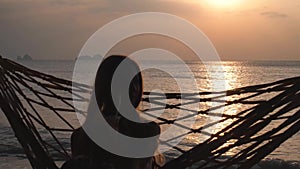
(223,3)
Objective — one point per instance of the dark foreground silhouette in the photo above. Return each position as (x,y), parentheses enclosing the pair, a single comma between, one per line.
(87,154)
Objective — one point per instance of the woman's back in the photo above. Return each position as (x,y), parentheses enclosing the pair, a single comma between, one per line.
(83,146)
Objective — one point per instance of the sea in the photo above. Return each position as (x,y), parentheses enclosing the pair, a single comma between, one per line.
(169,76)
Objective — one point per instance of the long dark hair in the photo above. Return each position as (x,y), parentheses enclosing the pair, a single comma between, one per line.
(103,83)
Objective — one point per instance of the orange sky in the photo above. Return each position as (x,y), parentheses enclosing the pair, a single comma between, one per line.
(241,30)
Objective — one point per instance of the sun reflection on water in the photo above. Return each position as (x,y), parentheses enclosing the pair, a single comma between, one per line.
(222,76)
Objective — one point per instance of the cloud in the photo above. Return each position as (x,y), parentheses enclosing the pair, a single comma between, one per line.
(272,14)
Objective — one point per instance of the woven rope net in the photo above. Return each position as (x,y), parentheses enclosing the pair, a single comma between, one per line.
(253,123)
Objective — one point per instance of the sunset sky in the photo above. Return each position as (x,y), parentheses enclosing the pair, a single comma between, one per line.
(239,29)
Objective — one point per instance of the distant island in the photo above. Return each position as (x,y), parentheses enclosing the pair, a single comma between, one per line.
(25,57)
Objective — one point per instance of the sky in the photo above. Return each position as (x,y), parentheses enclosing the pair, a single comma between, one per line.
(239,29)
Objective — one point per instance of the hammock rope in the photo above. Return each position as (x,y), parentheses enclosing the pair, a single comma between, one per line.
(257,119)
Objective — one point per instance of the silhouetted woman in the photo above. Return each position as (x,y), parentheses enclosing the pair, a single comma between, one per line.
(85,153)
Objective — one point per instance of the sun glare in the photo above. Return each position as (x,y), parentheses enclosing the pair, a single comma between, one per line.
(223,3)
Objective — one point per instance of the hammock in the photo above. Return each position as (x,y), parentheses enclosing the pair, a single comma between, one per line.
(265,116)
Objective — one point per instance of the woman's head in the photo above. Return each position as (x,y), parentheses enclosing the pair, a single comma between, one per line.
(104,87)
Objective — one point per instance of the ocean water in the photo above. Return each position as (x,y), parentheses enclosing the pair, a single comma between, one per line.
(168,76)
